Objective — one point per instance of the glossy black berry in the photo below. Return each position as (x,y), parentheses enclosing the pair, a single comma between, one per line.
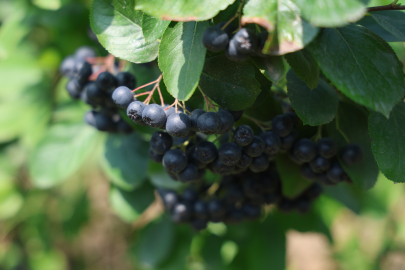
(320,164)
(134,111)
(244,161)
(307,173)
(194,117)
(154,116)
(161,142)
(226,120)
(260,163)
(84,72)
(200,209)
(178,125)
(251,212)
(305,150)
(216,208)
(218,167)
(252,187)
(229,154)
(215,39)
(206,152)
(122,96)
(245,41)
(155,157)
(236,114)
(189,174)
(294,117)
(126,79)
(352,154)
(74,88)
(181,212)
(104,122)
(234,193)
(272,143)
(123,127)
(336,174)
(234,215)
(106,81)
(189,195)
(327,148)
(243,135)
(174,161)
(255,148)
(169,198)
(282,125)
(90,118)
(288,141)
(269,182)
(198,224)
(233,54)
(209,123)
(67,67)
(84,52)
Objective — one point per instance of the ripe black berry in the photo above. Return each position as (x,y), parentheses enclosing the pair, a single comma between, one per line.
(308,173)
(216,208)
(215,39)
(313,192)
(104,122)
(336,174)
(74,88)
(209,123)
(260,163)
(123,96)
(126,79)
(198,224)
(161,142)
(84,52)
(229,154)
(252,187)
(218,167)
(174,161)
(272,142)
(288,141)
(282,125)
(236,114)
(327,148)
(206,152)
(83,72)
(320,164)
(178,125)
(154,116)
(134,111)
(305,150)
(250,211)
(352,154)
(67,67)
(244,161)
(194,117)
(200,209)
(255,148)
(169,198)
(155,157)
(90,118)
(245,41)
(226,120)
(106,81)
(243,135)
(181,212)
(294,117)
(189,174)
(233,54)
(234,193)
(189,195)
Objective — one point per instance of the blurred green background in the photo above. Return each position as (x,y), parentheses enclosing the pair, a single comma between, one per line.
(58,210)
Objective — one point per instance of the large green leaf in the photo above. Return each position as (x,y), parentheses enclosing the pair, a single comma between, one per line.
(314,107)
(126,160)
(361,65)
(181,58)
(331,13)
(153,28)
(288,32)
(182,10)
(389,142)
(392,21)
(61,153)
(352,121)
(129,205)
(369,23)
(304,66)
(272,67)
(293,183)
(231,85)
(118,28)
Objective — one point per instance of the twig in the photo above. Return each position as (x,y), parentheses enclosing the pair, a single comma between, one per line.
(207,100)
(392,6)
(238,14)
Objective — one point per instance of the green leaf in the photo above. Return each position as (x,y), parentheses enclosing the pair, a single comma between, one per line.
(272,67)
(153,28)
(314,107)
(156,243)
(181,58)
(126,161)
(392,21)
(182,10)
(352,121)
(369,23)
(61,153)
(118,28)
(231,85)
(361,65)
(304,66)
(288,32)
(389,142)
(331,13)
(293,183)
(129,205)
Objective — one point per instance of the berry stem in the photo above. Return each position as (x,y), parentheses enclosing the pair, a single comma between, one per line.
(238,14)
(392,6)
(152,82)
(170,106)
(340,130)
(260,124)
(318,134)
(207,100)
(143,94)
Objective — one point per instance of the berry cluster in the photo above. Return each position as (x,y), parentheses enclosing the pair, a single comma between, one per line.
(234,199)
(239,46)
(95,88)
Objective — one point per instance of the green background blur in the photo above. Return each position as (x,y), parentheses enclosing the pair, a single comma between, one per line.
(68,215)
